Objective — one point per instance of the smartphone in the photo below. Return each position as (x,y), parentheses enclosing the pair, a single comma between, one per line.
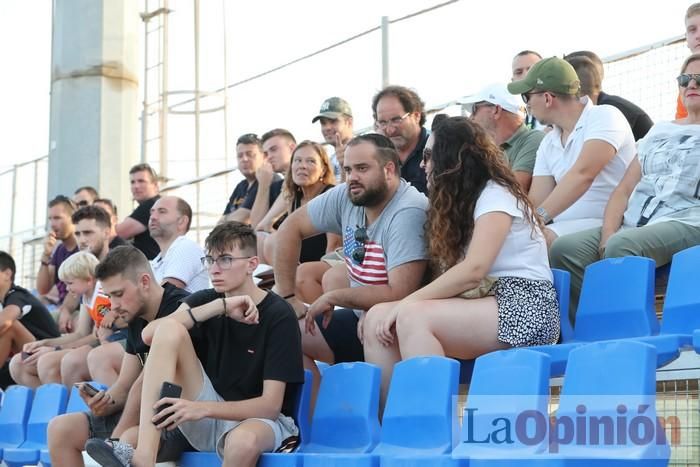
(168,390)
(87,388)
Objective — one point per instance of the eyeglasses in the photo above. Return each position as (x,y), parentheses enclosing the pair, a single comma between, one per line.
(477,105)
(685,79)
(224,261)
(528,95)
(394,122)
(82,203)
(358,254)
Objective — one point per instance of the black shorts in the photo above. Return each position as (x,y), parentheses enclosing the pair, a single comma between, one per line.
(341,336)
(172,443)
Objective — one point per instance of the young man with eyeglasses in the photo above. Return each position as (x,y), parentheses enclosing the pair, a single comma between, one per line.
(180,259)
(381,219)
(234,350)
(249,155)
(502,115)
(399,114)
(144,189)
(135,296)
(580,162)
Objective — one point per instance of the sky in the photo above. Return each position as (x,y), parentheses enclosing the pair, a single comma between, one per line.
(443,54)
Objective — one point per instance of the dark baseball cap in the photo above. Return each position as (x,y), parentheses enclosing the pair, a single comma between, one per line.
(551,74)
(333,108)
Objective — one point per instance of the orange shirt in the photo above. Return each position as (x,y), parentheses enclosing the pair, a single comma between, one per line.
(681,112)
(98,306)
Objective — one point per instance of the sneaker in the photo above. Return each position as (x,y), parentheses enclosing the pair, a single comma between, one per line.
(110,453)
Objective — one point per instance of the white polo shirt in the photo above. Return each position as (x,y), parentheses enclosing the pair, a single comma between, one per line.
(597,122)
(182,261)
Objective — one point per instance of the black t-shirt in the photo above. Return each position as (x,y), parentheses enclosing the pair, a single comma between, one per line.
(638,119)
(34,315)
(238,196)
(411,171)
(143,241)
(117,241)
(172,297)
(275,190)
(239,357)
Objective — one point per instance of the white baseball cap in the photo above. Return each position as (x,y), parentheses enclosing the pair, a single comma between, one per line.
(497,94)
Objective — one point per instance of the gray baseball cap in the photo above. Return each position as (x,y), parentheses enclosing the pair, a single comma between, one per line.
(333,108)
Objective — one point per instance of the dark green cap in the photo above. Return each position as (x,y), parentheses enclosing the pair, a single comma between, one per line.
(333,108)
(551,74)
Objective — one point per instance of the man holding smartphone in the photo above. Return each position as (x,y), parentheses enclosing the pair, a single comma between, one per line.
(138,298)
(235,350)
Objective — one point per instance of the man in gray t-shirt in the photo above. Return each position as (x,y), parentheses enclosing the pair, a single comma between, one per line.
(380,218)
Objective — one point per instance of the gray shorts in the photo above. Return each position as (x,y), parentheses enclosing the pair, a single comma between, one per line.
(209,434)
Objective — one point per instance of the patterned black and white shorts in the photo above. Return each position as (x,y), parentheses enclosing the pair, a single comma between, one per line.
(528,311)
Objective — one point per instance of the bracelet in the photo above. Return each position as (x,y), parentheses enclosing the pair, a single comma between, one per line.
(223,300)
(546,218)
(289,296)
(194,321)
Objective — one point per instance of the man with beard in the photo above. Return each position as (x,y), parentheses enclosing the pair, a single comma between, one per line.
(137,298)
(335,117)
(380,218)
(93,226)
(399,114)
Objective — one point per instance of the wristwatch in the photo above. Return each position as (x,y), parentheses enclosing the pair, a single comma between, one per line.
(546,218)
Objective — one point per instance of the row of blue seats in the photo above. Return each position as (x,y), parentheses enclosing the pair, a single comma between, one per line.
(24,419)
(420,427)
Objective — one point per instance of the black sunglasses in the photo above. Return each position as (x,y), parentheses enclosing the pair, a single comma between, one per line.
(685,78)
(528,95)
(358,254)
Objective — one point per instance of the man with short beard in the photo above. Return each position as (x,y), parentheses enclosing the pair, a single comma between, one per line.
(92,230)
(335,117)
(380,218)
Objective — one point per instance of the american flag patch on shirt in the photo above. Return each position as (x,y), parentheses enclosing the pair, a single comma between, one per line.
(372,270)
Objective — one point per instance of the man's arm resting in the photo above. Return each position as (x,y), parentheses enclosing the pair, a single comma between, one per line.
(615,209)
(261,204)
(268,405)
(403,280)
(524,179)
(129,228)
(239,215)
(541,187)
(182,316)
(8,316)
(595,155)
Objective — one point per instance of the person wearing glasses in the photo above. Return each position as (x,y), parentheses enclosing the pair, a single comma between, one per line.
(380,218)
(580,162)
(85,196)
(492,286)
(502,115)
(249,155)
(180,259)
(399,114)
(655,209)
(234,350)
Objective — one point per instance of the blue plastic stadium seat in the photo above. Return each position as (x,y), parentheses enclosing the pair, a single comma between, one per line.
(49,401)
(17,403)
(562,284)
(607,380)
(322,366)
(682,303)
(696,340)
(505,384)
(199,459)
(617,302)
(345,421)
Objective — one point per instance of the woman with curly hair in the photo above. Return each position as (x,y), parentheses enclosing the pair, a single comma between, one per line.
(492,286)
(310,174)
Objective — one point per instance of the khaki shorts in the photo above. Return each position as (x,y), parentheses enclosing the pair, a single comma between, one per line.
(335,258)
(209,434)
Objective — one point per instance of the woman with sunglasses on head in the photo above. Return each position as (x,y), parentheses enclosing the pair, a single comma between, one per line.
(492,286)
(309,175)
(655,209)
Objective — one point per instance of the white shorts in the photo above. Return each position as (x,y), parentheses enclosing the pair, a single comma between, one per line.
(209,434)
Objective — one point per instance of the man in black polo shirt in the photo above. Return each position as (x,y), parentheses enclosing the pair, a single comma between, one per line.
(399,114)
(23,318)
(144,189)
(236,352)
(249,153)
(138,298)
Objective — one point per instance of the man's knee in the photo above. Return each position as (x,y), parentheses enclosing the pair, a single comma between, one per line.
(170,332)
(242,444)
(622,244)
(69,430)
(48,368)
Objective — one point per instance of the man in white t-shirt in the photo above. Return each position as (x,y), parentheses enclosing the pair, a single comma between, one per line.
(580,162)
(180,259)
